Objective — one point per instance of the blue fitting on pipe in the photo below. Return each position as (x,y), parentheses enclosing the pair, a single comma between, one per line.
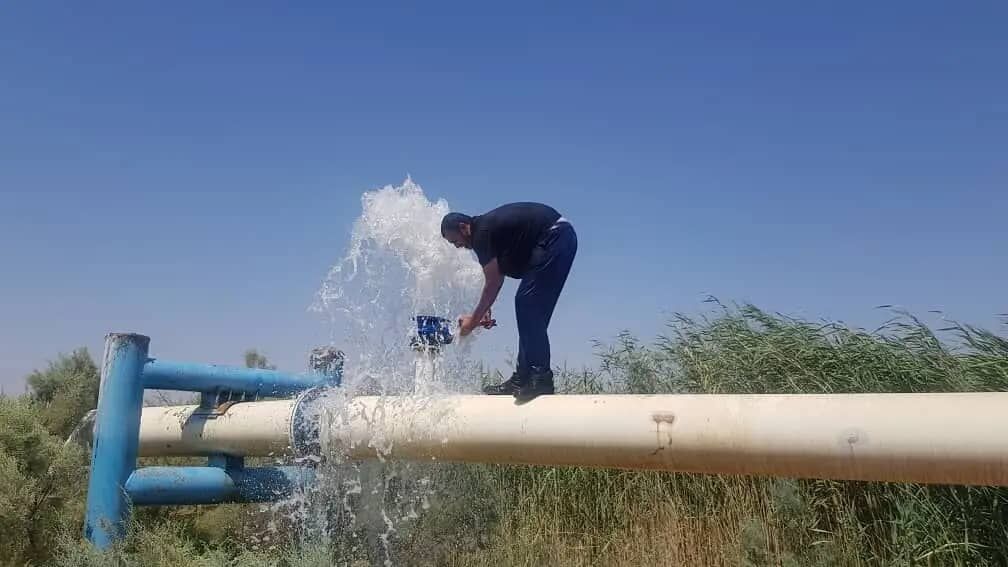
(169,486)
(114,483)
(432,332)
(116,437)
(164,375)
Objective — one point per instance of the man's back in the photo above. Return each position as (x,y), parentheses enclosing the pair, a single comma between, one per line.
(510,233)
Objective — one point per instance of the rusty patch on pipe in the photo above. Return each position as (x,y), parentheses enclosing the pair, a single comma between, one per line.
(659,418)
(853,437)
(663,417)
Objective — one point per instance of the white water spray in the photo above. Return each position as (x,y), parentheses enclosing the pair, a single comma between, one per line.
(397,266)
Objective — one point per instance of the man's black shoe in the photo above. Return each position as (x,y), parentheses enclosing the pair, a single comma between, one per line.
(508,387)
(539,384)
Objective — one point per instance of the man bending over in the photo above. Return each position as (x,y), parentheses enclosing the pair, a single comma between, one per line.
(530,242)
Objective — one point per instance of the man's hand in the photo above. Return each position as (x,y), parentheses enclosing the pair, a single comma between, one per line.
(493,280)
(488,322)
(467,323)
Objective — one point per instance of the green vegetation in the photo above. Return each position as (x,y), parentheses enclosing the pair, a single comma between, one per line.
(495,515)
(256,359)
(42,481)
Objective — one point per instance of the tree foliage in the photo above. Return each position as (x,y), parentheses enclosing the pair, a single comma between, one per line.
(65,391)
(41,487)
(256,359)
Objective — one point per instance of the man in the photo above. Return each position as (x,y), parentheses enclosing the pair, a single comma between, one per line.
(530,242)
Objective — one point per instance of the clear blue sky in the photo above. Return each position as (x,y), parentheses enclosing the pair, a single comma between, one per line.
(190,170)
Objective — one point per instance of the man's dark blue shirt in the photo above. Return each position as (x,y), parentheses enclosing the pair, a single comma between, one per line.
(510,233)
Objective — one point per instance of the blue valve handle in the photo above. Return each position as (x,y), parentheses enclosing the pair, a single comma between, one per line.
(433,331)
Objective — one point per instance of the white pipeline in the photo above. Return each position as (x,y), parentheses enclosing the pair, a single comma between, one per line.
(244,429)
(931,438)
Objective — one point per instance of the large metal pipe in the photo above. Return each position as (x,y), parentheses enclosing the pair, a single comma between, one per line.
(243,429)
(928,438)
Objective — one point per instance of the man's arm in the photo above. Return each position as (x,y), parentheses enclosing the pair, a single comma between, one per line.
(493,280)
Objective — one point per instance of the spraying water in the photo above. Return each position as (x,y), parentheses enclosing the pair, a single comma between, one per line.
(396,267)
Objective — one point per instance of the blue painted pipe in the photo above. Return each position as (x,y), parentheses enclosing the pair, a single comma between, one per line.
(116,437)
(164,375)
(168,486)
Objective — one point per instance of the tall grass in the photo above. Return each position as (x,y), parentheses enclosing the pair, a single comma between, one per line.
(501,515)
(590,517)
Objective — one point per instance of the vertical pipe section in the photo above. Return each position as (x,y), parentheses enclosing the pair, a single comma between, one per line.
(116,437)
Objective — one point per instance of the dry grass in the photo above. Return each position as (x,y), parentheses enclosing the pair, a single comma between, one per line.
(584,517)
(665,532)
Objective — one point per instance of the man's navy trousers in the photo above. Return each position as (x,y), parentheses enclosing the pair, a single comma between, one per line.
(538,293)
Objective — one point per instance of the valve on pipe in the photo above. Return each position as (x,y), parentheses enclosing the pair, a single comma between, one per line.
(327,361)
(432,333)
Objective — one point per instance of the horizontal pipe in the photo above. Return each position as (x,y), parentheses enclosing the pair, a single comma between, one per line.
(244,429)
(167,486)
(164,375)
(926,438)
